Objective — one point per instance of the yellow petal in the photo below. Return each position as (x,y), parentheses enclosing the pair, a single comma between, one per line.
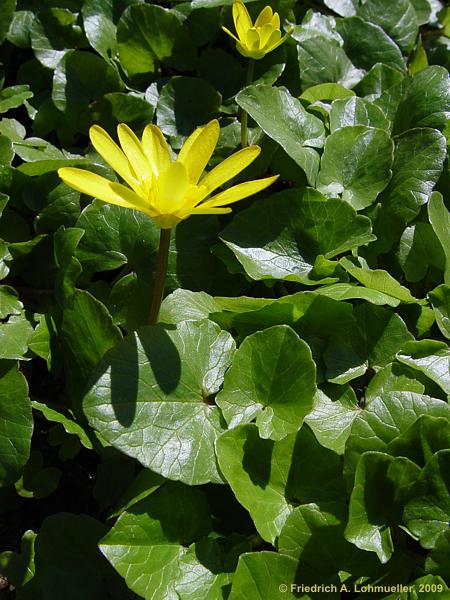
(242,20)
(273,40)
(252,39)
(209,211)
(229,168)
(264,34)
(239,192)
(256,54)
(229,33)
(271,47)
(173,187)
(156,149)
(265,16)
(135,153)
(198,149)
(103,189)
(276,21)
(113,155)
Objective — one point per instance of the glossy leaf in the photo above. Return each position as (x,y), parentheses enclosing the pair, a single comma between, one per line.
(440,300)
(267,476)
(283,118)
(16,423)
(175,373)
(386,418)
(279,238)
(147,542)
(272,379)
(383,485)
(426,516)
(356,163)
(431,358)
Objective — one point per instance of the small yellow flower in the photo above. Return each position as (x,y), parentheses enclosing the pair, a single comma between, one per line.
(255,41)
(167,190)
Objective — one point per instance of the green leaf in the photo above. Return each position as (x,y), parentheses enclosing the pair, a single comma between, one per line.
(437,560)
(8,8)
(431,357)
(205,569)
(174,374)
(356,111)
(440,300)
(379,334)
(426,516)
(185,103)
(136,110)
(366,44)
(9,302)
(313,531)
(6,151)
(66,564)
(349,291)
(344,8)
(43,340)
(261,575)
(326,91)
(383,485)
(69,268)
(147,542)
(57,416)
(283,118)
(99,20)
(418,161)
(53,32)
(398,20)
(357,164)
(14,96)
(419,62)
(425,437)
(378,280)
(307,312)
(116,237)
(397,377)
(149,34)
(184,305)
(440,220)
(423,10)
(322,60)
(315,24)
(37,481)
(269,477)
(379,79)
(272,379)
(419,101)
(310,529)
(18,568)
(16,423)
(19,28)
(331,419)
(14,337)
(145,483)
(387,417)
(87,333)
(280,237)
(81,77)
(419,250)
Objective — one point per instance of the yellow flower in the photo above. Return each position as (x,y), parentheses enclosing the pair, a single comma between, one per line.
(255,41)
(167,190)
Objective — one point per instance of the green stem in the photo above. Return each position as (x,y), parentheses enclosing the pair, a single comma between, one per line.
(160,275)
(244,114)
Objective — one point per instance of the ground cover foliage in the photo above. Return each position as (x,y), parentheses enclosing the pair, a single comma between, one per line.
(287,420)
